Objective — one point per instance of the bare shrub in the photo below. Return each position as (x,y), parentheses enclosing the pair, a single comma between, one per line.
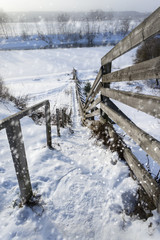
(4,93)
(125,24)
(100,131)
(63,17)
(87,88)
(20,102)
(38,117)
(148,50)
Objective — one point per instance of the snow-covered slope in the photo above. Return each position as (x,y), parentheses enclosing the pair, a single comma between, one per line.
(84,194)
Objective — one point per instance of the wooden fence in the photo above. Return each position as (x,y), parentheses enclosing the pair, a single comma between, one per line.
(62,119)
(108,112)
(15,139)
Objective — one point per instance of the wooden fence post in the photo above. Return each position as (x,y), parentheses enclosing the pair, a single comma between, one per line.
(58,122)
(105,69)
(48,124)
(15,140)
(63,118)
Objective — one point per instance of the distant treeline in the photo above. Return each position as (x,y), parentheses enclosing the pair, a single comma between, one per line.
(97,15)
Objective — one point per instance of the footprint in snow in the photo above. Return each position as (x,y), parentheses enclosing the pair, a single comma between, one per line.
(2,170)
(36,79)
(8,184)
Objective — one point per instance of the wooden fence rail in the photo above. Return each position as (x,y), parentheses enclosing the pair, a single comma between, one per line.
(109,113)
(15,139)
(145,103)
(79,94)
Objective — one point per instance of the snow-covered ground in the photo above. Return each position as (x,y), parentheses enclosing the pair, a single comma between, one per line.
(84,194)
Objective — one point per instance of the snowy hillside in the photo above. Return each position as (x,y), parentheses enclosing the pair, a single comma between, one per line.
(86,191)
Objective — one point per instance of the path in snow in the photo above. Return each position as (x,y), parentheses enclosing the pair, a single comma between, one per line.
(89,198)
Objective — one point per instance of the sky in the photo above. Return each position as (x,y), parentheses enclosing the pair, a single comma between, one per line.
(79,5)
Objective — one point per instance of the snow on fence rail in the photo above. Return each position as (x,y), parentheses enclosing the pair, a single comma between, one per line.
(149,104)
(15,139)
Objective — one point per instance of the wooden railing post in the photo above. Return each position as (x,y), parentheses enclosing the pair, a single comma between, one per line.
(48,124)
(63,118)
(105,70)
(58,122)
(15,140)
(92,110)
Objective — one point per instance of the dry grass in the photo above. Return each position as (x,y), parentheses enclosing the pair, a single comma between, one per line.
(148,50)
(100,131)
(5,95)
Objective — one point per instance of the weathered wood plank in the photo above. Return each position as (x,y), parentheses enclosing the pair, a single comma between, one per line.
(80,96)
(48,124)
(99,75)
(141,71)
(58,122)
(74,74)
(144,178)
(95,113)
(144,140)
(15,117)
(94,104)
(63,118)
(149,27)
(80,104)
(106,69)
(95,92)
(81,108)
(146,103)
(15,139)
(4,122)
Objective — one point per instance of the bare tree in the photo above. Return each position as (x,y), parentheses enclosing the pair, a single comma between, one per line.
(125,24)
(97,15)
(3,20)
(63,17)
(149,49)
(90,32)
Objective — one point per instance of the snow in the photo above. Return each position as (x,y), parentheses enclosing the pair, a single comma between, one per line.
(84,188)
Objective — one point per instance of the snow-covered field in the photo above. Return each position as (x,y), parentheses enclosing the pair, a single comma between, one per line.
(84,194)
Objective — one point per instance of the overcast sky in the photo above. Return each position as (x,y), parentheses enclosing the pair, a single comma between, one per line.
(79,5)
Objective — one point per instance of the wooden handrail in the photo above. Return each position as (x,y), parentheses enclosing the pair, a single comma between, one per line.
(145,103)
(15,139)
(94,113)
(94,104)
(17,116)
(141,71)
(97,80)
(96,91)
